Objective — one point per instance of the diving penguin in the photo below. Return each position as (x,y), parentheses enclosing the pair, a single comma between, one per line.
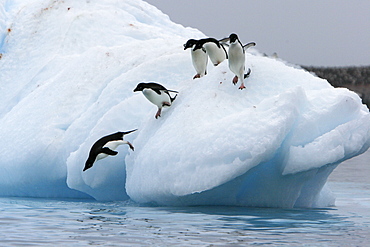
(105,146)
(237,59)
(199,58)
(157,94)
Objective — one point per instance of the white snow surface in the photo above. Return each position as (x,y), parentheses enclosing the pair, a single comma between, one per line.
(67,74)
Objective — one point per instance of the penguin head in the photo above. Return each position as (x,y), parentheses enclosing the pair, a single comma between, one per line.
(89,163)
(140,87)
(233,38)
(190,43)
(198,45)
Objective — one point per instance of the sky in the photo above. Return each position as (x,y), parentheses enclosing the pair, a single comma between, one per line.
(304,32)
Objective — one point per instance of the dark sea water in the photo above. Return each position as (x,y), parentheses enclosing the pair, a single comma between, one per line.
(46,222)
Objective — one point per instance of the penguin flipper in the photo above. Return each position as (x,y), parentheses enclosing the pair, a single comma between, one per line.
(157,91)
(109,151)
(156,87)
(227,56)
(250,44)
(224,40)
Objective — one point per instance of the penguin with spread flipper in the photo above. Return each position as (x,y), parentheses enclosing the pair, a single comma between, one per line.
(237,59)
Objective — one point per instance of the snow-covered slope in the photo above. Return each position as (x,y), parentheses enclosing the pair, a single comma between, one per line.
(67,74)
(65,67)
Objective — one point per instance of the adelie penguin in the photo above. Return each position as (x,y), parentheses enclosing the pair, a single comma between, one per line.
(237,59)
(157,94)
(105,146)
(215,50)
(199,58)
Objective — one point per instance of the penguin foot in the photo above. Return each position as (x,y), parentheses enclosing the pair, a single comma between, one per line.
(235,80)
(158,114)
(167,103)
(242,86)
(196,76)
(131,146)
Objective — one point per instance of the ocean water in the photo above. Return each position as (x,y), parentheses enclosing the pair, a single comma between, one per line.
(56,222)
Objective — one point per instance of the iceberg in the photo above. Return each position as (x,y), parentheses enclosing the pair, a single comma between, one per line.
(67,74)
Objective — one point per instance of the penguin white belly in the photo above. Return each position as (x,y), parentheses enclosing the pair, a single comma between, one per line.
(237,60)
(200,60)
(216,54)
(101,156)
(155,98)
(114,144)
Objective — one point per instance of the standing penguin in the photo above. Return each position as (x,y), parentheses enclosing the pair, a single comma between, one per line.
(215,50)
(237,59)
(105,146)
(199,58)
(157,94)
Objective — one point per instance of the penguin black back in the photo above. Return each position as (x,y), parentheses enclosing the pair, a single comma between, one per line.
(201,42)
(154,86)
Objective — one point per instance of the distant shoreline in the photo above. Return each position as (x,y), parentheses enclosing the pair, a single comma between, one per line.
(355,78)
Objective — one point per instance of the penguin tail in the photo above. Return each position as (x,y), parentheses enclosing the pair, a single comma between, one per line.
(128,132)
(247,74)
(172,99)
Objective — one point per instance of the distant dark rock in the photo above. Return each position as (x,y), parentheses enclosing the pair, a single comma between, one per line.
(356,79)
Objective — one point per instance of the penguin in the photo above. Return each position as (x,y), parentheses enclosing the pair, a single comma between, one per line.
(199,58)
(215,50)
(237,59)
(157,94)
(105,146)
